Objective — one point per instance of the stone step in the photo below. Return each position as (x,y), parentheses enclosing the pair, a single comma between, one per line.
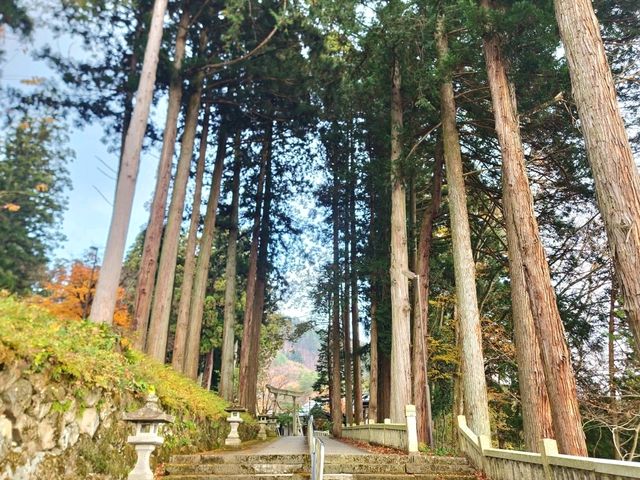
(238,458)
(387,476)
(234,468)
(302,458)
(365,468)
(395,458)
(329,476)
(451,468)
(282,476)
(330,468)
(211,466)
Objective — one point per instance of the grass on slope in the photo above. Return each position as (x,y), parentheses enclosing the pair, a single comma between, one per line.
(95,355)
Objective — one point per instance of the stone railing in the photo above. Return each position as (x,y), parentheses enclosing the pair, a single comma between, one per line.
(402,436)
(500,464)
(316,452)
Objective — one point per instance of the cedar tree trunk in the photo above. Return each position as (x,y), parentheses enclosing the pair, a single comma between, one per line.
(179,343)
(334,332)
(225,388)
(346,334)
(104,302)
(421,394)
(355,322)
(523,229)
(153,235)
(249,329)
(400,307)
(163,294)
(261,282)
(614,171)
(200,279)
(474,381)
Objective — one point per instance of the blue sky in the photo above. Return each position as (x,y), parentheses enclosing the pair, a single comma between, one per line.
(86,221)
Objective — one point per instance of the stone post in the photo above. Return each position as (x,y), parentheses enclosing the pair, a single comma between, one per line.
(485,443)
(548,447)
(295,418)
(412,428)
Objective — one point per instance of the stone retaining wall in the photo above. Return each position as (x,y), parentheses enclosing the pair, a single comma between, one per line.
(61,430)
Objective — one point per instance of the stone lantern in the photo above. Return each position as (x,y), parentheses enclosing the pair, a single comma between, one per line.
(272,425)
(262,421)
(233,439)
(147,421)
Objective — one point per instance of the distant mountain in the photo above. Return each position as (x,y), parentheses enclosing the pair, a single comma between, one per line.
(294,367)
(305,350)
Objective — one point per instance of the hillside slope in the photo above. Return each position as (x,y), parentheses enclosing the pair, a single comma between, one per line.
(63,387)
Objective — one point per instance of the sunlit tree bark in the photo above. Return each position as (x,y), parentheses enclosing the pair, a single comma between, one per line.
(536,413)
(527,255)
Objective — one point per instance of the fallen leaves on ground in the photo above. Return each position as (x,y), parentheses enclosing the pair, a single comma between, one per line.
(377,449)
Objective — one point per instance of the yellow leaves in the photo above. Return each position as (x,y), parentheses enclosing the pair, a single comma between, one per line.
(121,316)
(334,43)
(11,207)
(24,125)
(125,343)
(70,292)
(443,359)
(442,231)
(42,187)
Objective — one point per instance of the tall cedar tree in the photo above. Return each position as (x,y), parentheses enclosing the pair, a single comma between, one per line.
(473,377)
(184,307)
(400,306)
(107,288)
(205,247)
(536,413)
(153,235)
(225,387)
(163,291)
(614,170)
(251,331)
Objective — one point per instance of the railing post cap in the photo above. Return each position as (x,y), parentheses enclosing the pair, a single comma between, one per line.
(410,410)
(485,441)
(387,420)
(462,421)
(548,446)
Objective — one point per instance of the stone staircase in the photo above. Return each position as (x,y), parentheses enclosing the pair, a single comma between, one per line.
(296,467)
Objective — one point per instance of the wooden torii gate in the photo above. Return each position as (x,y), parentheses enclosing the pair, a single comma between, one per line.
(294,396)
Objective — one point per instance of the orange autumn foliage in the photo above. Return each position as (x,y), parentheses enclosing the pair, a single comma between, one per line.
(71,290)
